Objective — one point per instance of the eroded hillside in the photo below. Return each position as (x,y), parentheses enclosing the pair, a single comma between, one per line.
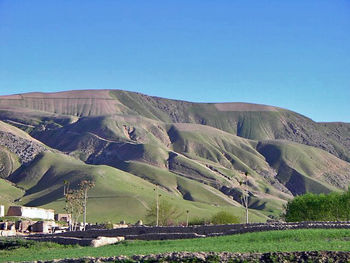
(195,153)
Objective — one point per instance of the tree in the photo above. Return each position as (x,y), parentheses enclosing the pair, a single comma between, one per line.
(157,205)
(168,213)
(245,195)
(74,206)
(76,201)
(65,186)
(319,207)
(85,186)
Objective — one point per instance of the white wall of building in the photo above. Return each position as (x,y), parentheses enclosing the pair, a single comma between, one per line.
(33,212)
(2,210)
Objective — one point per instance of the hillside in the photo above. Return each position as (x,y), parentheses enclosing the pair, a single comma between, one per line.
(197,153)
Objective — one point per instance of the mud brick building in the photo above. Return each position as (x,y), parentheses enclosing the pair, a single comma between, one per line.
(31,212)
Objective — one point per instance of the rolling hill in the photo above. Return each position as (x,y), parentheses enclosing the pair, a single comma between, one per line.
(195,153)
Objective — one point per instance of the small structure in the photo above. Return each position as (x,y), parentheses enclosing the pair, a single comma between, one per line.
(120,226)
(2,211)
(24,225)
(43,227)
(31,212)
(139,223)
(63,217)
(7,229)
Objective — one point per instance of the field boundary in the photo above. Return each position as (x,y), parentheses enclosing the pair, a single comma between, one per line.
(180,232)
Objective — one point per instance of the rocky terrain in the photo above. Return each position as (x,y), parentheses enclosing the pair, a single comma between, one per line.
(26,150)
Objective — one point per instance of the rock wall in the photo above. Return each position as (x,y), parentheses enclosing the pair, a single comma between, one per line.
(179,232)
(308,256)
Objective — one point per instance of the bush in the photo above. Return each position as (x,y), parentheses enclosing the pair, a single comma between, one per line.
(223,217)
(321,207)
(197,221)
(13,243)
(107,225)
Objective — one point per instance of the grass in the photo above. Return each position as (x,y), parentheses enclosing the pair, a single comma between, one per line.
(117,195)
(8,193)
(271,241)
(9,162)
(304,164)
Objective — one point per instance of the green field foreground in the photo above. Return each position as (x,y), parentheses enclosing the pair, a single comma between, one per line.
(271,241)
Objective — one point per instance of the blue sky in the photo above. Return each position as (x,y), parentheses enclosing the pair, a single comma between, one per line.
(293,54)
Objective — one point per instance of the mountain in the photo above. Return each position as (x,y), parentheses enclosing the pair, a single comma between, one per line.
(195,153)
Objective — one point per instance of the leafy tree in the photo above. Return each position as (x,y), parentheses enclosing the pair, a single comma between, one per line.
(76,200)
(74,206)
(319,207)
(168,214)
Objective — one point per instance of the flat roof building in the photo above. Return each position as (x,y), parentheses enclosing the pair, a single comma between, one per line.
(31,212)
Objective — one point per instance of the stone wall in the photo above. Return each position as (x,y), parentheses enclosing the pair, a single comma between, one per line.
(307,256)
(177,232)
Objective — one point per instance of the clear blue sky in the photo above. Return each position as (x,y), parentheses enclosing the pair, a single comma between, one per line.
(293,54)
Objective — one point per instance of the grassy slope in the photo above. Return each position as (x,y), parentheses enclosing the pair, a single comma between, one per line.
(8,193)
(250,122)
(171,154)
(272,241)
(304,168)
(117,195)
(8,162)
(185,149)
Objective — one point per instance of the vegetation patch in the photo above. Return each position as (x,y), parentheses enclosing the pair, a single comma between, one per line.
(322,207)
(259,242)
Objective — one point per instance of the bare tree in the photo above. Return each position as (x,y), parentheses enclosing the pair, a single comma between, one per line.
(245,195)
(187,214)
(85,186)
(65,186)
(157,204)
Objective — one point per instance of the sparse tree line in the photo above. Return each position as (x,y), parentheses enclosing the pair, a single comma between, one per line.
(334,206)
(319,207)
(160,213)
(170,214)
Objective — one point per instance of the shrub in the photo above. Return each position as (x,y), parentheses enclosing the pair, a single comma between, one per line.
(107,225)
(197,221)
(319,207)
(223,217)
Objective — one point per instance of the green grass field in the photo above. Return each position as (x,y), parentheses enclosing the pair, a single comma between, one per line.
(272,241)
